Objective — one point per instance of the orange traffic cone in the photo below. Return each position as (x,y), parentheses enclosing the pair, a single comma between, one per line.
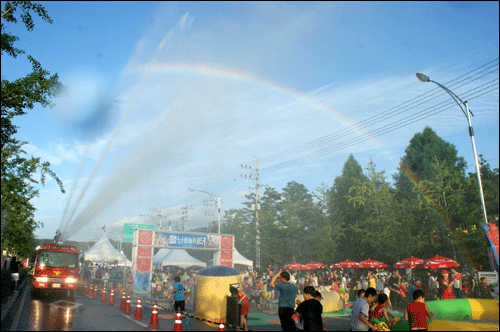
(95,292)
(178,321)
(221,325)
(154,318)
(122,303)
(127,305)
(112,298)
(90,291)
(138,310)
(103,297)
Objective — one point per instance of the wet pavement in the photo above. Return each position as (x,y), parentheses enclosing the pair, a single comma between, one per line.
(56,312)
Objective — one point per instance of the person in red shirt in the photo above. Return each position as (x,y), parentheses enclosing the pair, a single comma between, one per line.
(245,308)
(243,303)
(417,312)
(379,310)
(447,284)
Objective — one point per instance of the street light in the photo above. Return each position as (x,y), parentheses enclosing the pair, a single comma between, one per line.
(424,78)
(218,205)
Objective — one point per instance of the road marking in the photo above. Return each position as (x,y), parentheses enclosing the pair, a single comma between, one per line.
(65,304)
(135,320)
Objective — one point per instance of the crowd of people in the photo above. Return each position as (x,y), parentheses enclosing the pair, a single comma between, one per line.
(163,282)
(377,293)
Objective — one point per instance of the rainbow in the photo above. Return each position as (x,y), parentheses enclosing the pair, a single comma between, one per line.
(252,80)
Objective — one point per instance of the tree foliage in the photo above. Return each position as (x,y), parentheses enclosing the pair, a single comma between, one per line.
(20,172)
(433,208)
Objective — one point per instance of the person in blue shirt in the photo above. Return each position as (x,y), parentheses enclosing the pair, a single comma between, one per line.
(180,290)
(286,302)
(411,289)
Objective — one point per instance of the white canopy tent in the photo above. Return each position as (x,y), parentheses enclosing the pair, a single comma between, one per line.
(104,252)
(160,255)
(240,259)
(176,257)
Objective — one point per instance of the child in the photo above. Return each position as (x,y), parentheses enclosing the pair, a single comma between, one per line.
(180,291)
(417,311)
(244,305)
(361,312)
(387,292)
(361,293)
(310,310)
(379,310)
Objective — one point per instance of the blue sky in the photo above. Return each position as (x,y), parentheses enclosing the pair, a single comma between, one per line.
(162,97)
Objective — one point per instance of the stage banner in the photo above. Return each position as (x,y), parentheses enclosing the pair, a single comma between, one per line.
(491,230)
(143,260)
(186,240)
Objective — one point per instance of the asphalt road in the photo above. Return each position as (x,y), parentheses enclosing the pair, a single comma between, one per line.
(55,312)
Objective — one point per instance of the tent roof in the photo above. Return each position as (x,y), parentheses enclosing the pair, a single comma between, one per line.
(239,259)
(176,257)
(160,255)
(104,252)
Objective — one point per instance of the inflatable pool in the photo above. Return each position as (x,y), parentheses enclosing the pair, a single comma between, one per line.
(459,315)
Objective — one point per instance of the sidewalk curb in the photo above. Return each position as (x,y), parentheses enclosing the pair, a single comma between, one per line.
(7,307)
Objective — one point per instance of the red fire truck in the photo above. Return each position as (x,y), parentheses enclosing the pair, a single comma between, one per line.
(55,267)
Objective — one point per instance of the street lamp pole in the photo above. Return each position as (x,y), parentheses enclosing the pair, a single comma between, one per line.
(218,205)
(424,78)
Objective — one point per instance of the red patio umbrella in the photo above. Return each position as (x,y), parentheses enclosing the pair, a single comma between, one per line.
(293,266)
(347,264)
(410,262)
(314,266)
(438,262)
(370,264)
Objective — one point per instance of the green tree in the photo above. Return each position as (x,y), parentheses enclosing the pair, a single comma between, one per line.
(270,239)
(18,172)
(299,222)
(343,213)
(379,219)
(429,187)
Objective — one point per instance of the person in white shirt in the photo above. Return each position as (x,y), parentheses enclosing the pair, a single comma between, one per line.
(433,285)
(361,312)
(315,281)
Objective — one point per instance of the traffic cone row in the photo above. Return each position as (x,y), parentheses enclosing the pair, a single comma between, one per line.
(178,321)
(122,303)
(154,318)
(221,325)
(112,298)
(127,305)
(138,310)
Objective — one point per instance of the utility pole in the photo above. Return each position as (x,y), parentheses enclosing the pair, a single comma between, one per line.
(210,205)
(159,215)
(185,215)
(255,207)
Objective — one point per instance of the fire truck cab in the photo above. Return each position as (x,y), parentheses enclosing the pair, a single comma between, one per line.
(55,267)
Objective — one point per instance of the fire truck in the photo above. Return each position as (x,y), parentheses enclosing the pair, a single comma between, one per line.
(55,267)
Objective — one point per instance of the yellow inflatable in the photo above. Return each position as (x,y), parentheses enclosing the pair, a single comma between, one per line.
(331,301)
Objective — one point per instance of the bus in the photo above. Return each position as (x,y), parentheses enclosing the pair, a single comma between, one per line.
(55,267)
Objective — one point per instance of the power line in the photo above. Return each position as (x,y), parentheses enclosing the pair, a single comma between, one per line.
(225,184)
(379,131)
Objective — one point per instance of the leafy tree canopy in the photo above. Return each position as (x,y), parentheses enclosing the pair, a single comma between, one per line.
(18,171)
